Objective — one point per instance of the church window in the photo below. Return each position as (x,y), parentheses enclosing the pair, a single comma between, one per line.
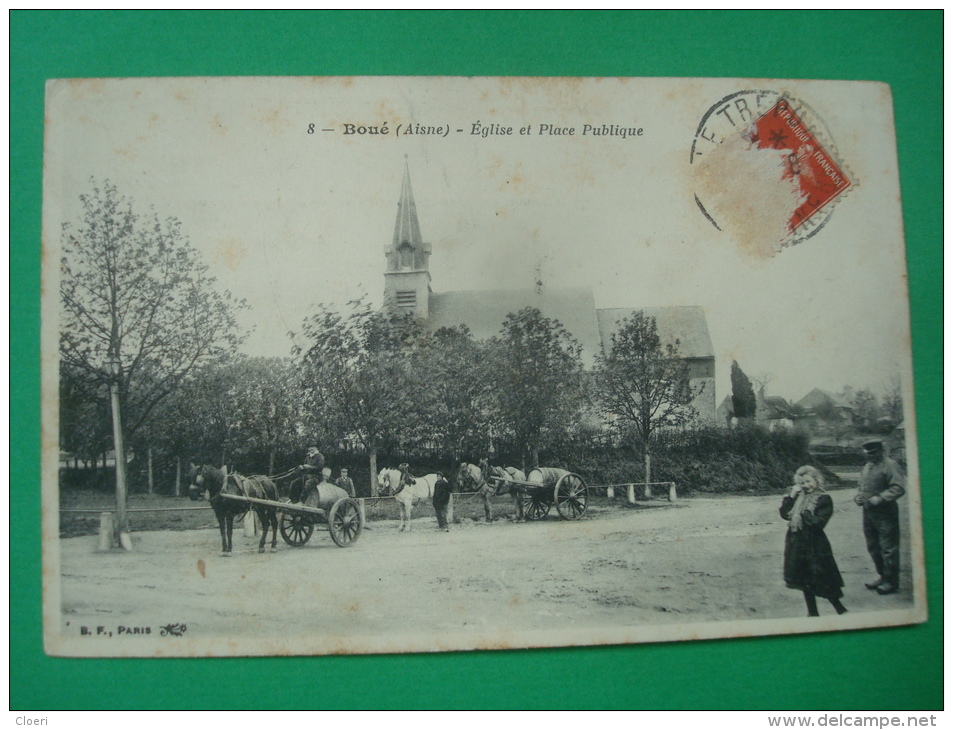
(406,252)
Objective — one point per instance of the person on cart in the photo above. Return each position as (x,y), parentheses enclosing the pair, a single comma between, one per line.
(312,468)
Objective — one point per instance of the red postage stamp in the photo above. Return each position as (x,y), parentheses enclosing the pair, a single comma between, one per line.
(765,170)
(806,162)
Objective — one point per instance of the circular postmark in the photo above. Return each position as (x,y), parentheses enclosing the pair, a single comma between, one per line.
(764,169)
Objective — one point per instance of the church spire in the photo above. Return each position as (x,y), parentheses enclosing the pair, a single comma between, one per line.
(407,229)
(407,276)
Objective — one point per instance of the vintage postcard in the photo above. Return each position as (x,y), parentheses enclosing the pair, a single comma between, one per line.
(364,365)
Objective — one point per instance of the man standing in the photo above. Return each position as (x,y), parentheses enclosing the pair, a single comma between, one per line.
(345,483)
(441,498)
(881,485)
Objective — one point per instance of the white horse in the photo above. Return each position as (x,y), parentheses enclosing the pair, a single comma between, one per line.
(407,493)
(471,476)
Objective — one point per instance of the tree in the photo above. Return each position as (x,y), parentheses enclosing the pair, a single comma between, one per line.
(269,412)
(866,408)
(743,400)
(893,400)
(197,421)
(644,382)
(456,384)
(134,289)
(358,378)
(539,391)
(244,412)
(84,420)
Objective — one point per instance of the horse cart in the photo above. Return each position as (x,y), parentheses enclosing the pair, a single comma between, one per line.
(328,508)
(545,487)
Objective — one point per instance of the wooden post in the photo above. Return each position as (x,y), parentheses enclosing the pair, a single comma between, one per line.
(610,492)
(107,531)
(151,483)
(360,508)
(450,509)
(251,523)
(630,489)
(672,496)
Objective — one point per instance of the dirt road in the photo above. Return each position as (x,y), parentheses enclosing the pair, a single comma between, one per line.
(613,576)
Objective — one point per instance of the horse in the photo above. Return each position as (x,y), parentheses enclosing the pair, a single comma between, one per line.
(208,478)
(407,490)
(471,476)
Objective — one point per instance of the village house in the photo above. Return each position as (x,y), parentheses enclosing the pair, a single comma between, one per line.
(823,408)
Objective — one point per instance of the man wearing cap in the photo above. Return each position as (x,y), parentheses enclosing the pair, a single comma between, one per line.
(312,468)
(881,485)
(345,483)
(406,479)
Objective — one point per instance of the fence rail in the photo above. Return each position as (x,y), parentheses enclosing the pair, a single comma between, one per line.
(630,490)
(134,509)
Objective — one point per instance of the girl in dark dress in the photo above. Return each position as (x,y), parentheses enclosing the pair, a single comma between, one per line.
(808,560)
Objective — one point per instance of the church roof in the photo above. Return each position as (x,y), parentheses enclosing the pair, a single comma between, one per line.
(483,312)
(686,324)
(407,228)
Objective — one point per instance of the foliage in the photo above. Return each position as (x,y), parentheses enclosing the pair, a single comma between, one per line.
(709,460)
(643,382)
(245,412)
(132,287)
(455,382)
(539,388)
(743,400)
(85,425)
(866,408)
(358,377)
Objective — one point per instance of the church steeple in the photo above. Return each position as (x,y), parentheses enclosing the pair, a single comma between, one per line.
(407,277)
(407,229)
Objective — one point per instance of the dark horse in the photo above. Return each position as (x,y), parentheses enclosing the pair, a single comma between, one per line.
(208,478)
(472,477)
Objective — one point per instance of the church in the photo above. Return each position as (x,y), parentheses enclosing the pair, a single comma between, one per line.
(407,287)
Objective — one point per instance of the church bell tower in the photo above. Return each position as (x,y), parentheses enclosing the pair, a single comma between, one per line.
(407,277)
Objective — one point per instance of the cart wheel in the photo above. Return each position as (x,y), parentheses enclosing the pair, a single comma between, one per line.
(345,522)
(571,496)
(535,508)
(296,528)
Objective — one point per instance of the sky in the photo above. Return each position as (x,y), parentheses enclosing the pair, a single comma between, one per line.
(287,218)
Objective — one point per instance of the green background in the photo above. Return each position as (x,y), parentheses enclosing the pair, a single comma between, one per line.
(888,669)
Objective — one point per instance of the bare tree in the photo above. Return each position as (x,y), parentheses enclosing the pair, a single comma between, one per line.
(892,401)
(644,382)
(866,408)
(133,288)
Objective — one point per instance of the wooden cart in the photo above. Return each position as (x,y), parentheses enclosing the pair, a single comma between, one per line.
(559,487)
(325,509)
